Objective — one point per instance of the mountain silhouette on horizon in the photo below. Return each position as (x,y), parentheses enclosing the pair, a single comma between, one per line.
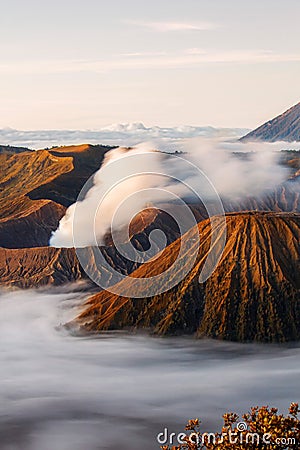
(285,127)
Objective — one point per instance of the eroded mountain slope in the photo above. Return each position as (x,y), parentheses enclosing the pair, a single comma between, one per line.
(253,295)
(285,127)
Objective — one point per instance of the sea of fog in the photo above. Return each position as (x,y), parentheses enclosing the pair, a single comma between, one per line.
(61,392)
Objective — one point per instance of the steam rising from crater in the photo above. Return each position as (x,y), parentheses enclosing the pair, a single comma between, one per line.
(236,170)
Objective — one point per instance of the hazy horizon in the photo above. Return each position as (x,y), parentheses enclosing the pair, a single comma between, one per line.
(171,138)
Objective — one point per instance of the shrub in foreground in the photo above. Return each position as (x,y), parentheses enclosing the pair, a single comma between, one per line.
(260,429)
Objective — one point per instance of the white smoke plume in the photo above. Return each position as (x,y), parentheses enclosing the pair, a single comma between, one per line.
(238,169)
(235,169)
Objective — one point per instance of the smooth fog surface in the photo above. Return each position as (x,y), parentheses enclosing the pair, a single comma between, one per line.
(60,392)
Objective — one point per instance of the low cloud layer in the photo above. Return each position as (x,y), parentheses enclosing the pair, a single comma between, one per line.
(61,392)
(128,134)
(235,170)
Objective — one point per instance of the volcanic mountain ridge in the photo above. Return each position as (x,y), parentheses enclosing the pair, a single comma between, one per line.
(285,127)
(253,295)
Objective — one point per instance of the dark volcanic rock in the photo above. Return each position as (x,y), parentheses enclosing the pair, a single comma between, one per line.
(33,228)
(35,267)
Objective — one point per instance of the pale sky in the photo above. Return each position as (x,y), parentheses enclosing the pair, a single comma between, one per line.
(69,64)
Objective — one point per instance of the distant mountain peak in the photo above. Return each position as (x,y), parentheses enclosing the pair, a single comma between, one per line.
(285,127)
